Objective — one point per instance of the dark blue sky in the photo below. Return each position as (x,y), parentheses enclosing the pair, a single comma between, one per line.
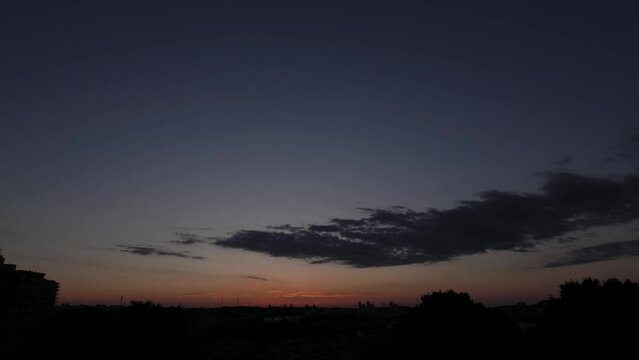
(123,122)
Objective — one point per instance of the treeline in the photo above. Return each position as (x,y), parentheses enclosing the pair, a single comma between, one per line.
(589,318)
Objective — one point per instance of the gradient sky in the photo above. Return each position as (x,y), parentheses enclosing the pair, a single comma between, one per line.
(125,125)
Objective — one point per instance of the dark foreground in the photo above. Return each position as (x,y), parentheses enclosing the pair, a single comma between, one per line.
(590,318)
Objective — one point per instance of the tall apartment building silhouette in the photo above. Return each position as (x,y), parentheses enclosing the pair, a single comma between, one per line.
(26,297)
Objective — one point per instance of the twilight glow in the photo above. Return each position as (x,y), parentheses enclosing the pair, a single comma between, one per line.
(201,153)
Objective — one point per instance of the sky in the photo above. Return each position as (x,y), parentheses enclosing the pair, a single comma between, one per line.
(319,152)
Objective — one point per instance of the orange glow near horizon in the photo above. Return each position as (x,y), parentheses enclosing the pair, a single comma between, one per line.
(232,277)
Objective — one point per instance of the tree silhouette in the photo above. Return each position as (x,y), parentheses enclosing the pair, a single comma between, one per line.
(449,323)
(601,318)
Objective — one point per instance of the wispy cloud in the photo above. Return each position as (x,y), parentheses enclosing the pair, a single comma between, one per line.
(202,228)
(184,238)
(629,150)
(596,253)
(148,250)
(563,162)
(255,277)
(497,220)
(307,294)
(10,235)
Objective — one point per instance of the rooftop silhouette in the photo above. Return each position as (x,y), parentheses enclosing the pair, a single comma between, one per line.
(26,298)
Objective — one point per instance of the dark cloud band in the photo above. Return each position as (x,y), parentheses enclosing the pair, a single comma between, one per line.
(601,252)
(495,221)
(147,250)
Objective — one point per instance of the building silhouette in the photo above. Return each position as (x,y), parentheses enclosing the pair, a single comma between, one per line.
(26,297)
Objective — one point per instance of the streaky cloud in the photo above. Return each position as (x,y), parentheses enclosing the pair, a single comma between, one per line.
(496,220)
(629,150)
(285,227)
(590,254)
(564,161)
(148,250)
(184,238)
(256,277)
(307,294)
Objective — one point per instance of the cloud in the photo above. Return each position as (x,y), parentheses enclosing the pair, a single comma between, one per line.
(255,277)
(307,294)
(285,227)
(467,180)
(629,150)
(5,231)
(201,228)
(495,221)
(187,239)
(565,161)
(145,250)
(601,252)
